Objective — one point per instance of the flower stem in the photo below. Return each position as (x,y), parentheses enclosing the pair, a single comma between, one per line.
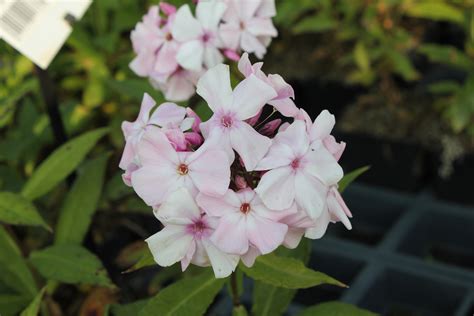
(234,289)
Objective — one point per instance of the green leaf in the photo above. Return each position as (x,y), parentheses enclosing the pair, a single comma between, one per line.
(269,300)
(361,57)
(402,65)
(81,202)
(435,10)
(444,87)
(128,309)
(135,88)
(350,177)
(11,305)
(288,273)
(33,308)
(70,263)
(315,23)
(16,210)
(186,297)
(203,111)
(446,55)
(15,273)
(335,309)
(60,164)
(145,261)
(239,311)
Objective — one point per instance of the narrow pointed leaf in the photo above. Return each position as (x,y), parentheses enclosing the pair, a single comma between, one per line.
(33,308)
(81,202)
(145,261)
(14,272)
(350,177)
(186,297)
(335,309)
(287,273)
(70,263)
(60,164)
(16,210)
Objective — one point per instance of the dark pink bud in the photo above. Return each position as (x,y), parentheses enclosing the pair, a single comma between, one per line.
(193,139)
(270,127)
(168,9)
(231,54)
(253,120)
(240,182)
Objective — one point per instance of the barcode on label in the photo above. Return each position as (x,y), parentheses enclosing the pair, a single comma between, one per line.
(19,15)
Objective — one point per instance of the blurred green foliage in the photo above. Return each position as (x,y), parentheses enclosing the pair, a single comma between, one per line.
(378,39)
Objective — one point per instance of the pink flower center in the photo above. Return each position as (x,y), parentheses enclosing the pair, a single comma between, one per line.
(183,169)
(206,37)
(169,37)
(198,229)
(295,164)
(242,25)
(227,121)
(245,208)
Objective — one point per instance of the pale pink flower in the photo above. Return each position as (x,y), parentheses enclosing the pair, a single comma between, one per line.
(244,221)
(320,131)
(297,172)
(227,127)
(186,237)
(248,26)
(298,224)
(336,211)
(198,36)
(154,45)
(164,170)
(133,131)
(283,101)
(179,85)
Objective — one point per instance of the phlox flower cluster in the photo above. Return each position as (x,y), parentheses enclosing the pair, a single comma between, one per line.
(240,184)
(173,47)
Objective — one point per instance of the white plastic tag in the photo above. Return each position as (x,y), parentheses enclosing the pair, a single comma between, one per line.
(39,28)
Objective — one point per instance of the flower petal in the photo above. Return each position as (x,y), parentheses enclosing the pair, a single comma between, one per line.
(210,171)
(251,44)
(179,87)
(222,263)
(154,183)
(277,188)
(320,227)
(212,56)
(250,95)
(230,236)
(185,27)
(266,235)
(219,206)
(229,34)
(310,194)
(249,257)
(250,145)
(168,115)
(214,87)
(190,55)
(155,149)
(323,165)
(209,13)
(169,245)
(179,208)
(322,126)
(261,27)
